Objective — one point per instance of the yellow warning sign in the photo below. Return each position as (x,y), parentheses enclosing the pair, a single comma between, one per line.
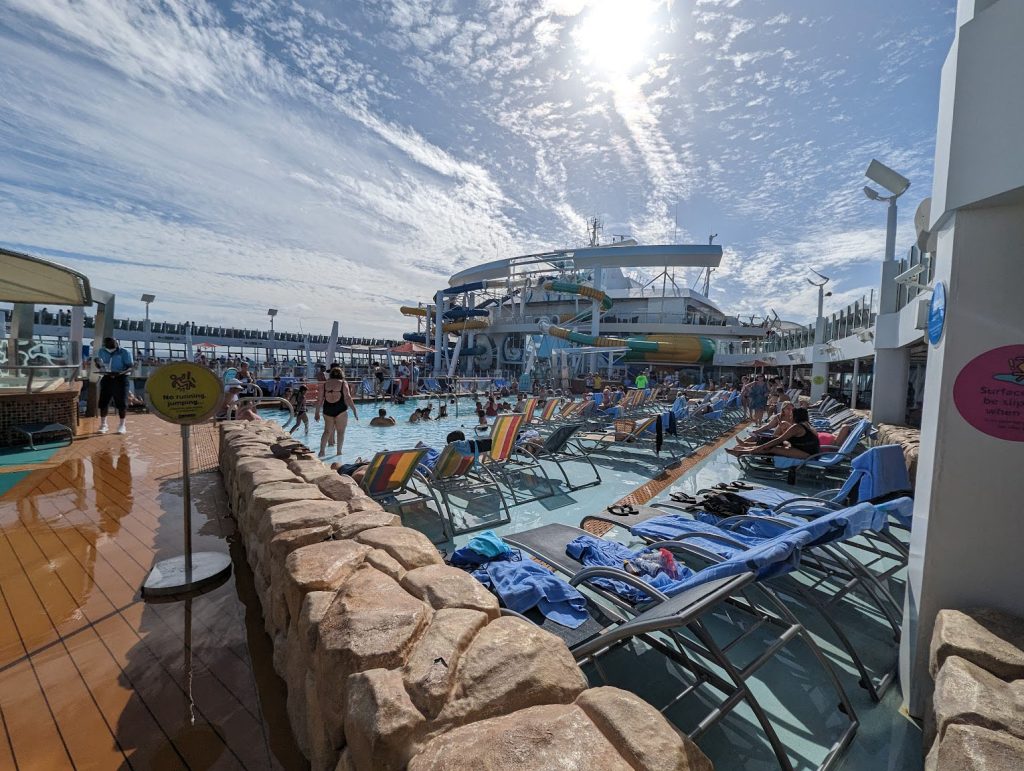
(184,393)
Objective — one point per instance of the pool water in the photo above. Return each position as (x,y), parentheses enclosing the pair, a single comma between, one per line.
(363,440)
(622,470)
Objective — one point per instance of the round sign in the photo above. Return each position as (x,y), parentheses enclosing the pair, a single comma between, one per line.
(937,313)
(184,393)
(989,393)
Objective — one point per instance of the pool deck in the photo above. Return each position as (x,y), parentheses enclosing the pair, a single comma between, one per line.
(90,675)
(93,677)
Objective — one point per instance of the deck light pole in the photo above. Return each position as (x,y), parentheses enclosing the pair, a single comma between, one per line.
(819,368)
(148,298)
(892,364)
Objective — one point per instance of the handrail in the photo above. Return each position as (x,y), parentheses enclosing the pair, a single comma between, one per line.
(32,368)
(262,401)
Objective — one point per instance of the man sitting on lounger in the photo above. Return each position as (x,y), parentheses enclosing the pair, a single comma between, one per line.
(382,419)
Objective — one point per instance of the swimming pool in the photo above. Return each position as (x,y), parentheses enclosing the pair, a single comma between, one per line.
(622,470)
(363,440)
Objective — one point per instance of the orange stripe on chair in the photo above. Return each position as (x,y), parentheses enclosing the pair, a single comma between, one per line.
(391,471)
(503,435)
(549,409)
(529,407)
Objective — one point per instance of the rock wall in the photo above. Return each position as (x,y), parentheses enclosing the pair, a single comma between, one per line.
(908,438)
(394,660)
(977,661)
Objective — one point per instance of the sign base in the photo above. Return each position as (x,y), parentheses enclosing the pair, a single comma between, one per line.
(167,578)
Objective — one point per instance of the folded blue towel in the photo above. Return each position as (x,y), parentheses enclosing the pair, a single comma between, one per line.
(525,585)
(485,547)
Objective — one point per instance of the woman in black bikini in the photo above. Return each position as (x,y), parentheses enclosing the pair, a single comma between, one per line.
(335,401)
(797,441)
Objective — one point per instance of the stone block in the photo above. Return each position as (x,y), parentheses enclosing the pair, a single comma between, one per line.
(410,547)
(510,665)
(446,587)
(989,638)
(385,563)
(362,502)
(357,522)
(381,722)
(972,748)
(338,487)
(296,514)
(372,623)
(640,733)
(310,469)
(319,567)
(545,737)
(966,694)
(430,668)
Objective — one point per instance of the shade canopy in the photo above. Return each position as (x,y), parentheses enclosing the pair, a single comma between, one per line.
(413,349)
(30,280)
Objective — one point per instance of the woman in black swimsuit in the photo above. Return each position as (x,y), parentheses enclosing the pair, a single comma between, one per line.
(335,401)
(798,441)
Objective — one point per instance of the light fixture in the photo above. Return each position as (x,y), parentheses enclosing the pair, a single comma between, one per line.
(148,298)
(871,193)
(891,180)
(272,312)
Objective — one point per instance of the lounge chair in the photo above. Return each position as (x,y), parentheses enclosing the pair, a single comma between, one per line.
(505,463)
(831,460)
(388,476)
(622,431)
(832,573)
(559,448)
(451,475)
(674,625)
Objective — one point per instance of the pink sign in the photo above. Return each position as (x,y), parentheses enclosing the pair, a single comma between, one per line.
(989,393)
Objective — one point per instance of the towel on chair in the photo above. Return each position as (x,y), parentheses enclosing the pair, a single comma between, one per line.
(525,585)
(884,471)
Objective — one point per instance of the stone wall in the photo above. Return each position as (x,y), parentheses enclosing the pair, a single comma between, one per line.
(394,660)
(977,661)
(908,438)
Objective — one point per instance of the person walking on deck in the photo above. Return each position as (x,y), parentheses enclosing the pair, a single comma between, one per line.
(115,363)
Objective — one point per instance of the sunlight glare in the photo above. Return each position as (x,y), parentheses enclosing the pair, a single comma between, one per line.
(613,34)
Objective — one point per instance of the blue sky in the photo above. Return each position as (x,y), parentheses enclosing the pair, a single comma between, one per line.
(339,159)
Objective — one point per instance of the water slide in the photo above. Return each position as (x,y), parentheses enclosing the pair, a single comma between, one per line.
(664,349)
(419,337)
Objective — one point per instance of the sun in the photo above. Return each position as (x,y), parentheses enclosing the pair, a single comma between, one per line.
(613,34)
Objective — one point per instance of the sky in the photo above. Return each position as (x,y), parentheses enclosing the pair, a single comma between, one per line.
(338,159)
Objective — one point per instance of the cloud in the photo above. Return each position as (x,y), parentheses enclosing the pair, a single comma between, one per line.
(336,161)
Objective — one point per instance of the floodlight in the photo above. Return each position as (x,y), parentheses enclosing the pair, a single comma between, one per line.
(148,298)
(272,312)
(891,180)
(908,276)
(871,193)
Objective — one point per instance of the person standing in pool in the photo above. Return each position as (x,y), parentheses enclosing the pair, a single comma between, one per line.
(335,401)
(298,401)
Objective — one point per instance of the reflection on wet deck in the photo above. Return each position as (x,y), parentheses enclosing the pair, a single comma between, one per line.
(90,676)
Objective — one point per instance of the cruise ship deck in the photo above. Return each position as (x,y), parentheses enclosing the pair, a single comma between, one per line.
(94,677)
(91,676)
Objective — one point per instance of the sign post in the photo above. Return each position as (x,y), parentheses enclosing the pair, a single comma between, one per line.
(185,393)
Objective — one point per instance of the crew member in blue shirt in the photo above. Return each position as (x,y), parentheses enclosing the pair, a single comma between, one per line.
(115,363)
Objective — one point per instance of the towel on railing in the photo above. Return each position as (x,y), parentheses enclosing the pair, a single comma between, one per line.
(524,585)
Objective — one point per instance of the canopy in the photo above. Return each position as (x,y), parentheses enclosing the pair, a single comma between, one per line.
(411,349)
(30,280)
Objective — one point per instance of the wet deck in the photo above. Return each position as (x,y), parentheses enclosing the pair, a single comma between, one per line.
(90,675)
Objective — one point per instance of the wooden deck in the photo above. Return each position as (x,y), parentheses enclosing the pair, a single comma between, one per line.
(91,676)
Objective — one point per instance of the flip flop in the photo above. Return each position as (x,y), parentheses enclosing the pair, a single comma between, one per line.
(624,510)
(680,497)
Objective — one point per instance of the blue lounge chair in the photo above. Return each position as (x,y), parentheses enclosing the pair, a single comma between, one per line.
(829,461)
(676,610)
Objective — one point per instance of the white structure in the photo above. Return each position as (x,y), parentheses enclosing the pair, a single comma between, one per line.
(967,542)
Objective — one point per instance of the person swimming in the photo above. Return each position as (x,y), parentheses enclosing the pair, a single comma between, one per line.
(382,419)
